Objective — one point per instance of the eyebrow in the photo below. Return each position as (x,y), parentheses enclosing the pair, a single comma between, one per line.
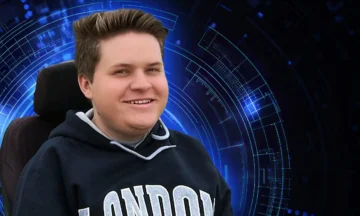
(130,65)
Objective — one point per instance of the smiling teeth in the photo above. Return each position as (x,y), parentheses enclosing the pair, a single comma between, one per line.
(140,102)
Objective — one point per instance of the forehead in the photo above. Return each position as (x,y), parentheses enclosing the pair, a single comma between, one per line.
(131,48)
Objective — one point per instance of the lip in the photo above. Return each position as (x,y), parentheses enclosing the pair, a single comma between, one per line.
(141,106)
(138,99)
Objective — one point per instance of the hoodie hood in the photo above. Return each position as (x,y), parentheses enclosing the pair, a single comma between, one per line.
(78,126)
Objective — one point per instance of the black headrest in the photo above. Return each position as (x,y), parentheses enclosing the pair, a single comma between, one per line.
(57,91)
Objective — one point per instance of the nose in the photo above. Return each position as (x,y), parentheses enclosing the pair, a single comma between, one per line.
(140,81)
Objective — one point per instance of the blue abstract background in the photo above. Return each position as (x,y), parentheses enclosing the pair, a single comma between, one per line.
(249,79)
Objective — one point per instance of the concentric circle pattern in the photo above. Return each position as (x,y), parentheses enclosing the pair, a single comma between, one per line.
(216,94)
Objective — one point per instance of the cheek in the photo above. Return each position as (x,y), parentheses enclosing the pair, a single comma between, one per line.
(162,88)
(110,90)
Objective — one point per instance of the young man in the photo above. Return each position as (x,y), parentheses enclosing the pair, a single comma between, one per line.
(119,158)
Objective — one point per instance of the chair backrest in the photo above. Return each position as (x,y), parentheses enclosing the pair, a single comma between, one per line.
(57,91)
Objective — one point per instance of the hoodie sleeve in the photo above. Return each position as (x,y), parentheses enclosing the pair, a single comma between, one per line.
(40,189)
(223,206)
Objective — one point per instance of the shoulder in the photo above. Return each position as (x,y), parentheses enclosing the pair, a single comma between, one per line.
(52,145)
(50,151)
(45,161)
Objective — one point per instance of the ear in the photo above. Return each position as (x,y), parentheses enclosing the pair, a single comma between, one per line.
(85,86)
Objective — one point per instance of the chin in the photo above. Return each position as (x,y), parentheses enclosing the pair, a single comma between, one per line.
(142,125)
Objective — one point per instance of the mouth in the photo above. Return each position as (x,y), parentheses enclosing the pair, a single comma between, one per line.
(139,101)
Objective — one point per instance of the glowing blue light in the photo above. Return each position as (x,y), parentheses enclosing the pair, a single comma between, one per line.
(289,211)
(40,45)
(305,214)
(213,25)
(29,13)
(26,6)
(55,14)
(3,117)
(44,10)
(297,212)
(51,33)
(176,120)
(245,35)
(178,42)
(260,15)
(23,1)
(289,63)
(43,20)
(250,105)
(67,57)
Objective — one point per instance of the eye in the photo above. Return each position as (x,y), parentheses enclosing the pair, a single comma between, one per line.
(154,70)
(122,71)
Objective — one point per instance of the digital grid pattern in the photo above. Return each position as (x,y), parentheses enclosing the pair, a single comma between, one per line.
(216,95)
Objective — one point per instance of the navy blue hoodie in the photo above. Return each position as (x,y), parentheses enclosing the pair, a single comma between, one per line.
(79,171)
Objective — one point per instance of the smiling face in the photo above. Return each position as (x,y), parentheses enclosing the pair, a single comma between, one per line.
(129,90)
